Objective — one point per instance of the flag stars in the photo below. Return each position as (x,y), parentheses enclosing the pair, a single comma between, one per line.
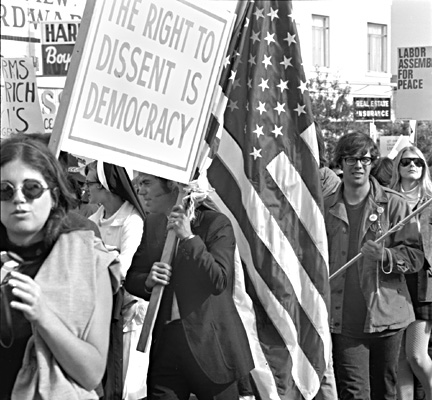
(282,85)
(261,107)
(259,131)
(246,23)
(266,61)
(236,83)
(269,38)
(300,109)
(273,14)
(280,107)
(233,75)
(263,85)
(259,13)
(255,37)
(290,38)
(277,131)
(303,86)
(249,84)
(227,61)
(251,60)
(286,62)
(232,105)
(256,153)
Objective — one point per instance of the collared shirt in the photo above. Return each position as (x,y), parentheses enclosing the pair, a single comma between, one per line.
(123,230)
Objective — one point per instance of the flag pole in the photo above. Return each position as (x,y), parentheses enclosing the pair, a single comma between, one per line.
(395,228)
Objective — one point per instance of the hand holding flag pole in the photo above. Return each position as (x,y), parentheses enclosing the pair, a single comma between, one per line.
(395,228)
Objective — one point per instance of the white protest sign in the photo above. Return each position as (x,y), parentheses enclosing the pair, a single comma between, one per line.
(21,111)
(390,145)
(414,83)
(143,87)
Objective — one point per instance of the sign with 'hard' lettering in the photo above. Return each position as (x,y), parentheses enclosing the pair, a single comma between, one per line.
(372,108)
(414,83)
(141,83)
(20,108)
(58,39)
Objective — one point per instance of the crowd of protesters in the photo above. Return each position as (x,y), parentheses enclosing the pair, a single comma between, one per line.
(75,284)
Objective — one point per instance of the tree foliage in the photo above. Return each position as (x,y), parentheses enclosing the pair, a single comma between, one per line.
(333,110)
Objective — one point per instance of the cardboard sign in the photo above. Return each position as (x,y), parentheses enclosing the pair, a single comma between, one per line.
(372,108)
(390,145)
(142,83)
(20,29)
(58,40)
(21,111)
(414,83)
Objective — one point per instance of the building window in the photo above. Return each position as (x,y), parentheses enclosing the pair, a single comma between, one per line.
(377,47)
(320,40)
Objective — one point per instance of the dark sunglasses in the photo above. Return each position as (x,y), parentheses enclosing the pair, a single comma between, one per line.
(418,162)
(31,189)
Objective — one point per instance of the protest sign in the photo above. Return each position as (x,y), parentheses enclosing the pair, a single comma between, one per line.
(414,83)
(372,108)
(21,110)
(20,19)
(141,84)
(58,39)
(390,145)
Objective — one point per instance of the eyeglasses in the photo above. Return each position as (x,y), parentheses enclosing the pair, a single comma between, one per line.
(353,160)
(31,189)
(418,162)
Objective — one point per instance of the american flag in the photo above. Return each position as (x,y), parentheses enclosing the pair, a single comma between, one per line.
(266,179)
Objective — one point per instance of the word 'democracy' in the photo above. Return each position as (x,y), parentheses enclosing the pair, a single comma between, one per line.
(118,58)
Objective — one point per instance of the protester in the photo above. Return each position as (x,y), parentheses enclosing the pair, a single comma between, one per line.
(382,171)
(59,300)
(77,184)
(199,343)
(370,303)
(120,219)
(411,178)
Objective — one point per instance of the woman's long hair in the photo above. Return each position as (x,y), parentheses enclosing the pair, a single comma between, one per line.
(36,155)
(425,179)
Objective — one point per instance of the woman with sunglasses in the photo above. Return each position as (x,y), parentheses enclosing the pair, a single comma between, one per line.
(56,306)
(411,178)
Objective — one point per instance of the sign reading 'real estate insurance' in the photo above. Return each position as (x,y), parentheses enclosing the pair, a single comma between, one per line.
(414,83)
(141,83)
(372,108)
(58,39)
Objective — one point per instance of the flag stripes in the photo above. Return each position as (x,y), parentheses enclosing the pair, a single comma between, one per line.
(275,273)
(267,182)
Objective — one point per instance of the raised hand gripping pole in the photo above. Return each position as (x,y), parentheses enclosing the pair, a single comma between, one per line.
(398,226)
(157,292)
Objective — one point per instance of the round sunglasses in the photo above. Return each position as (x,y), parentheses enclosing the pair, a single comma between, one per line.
(418,162)
(31,189)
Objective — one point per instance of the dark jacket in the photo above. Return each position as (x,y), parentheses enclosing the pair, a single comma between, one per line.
(202,279)
(387,299)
